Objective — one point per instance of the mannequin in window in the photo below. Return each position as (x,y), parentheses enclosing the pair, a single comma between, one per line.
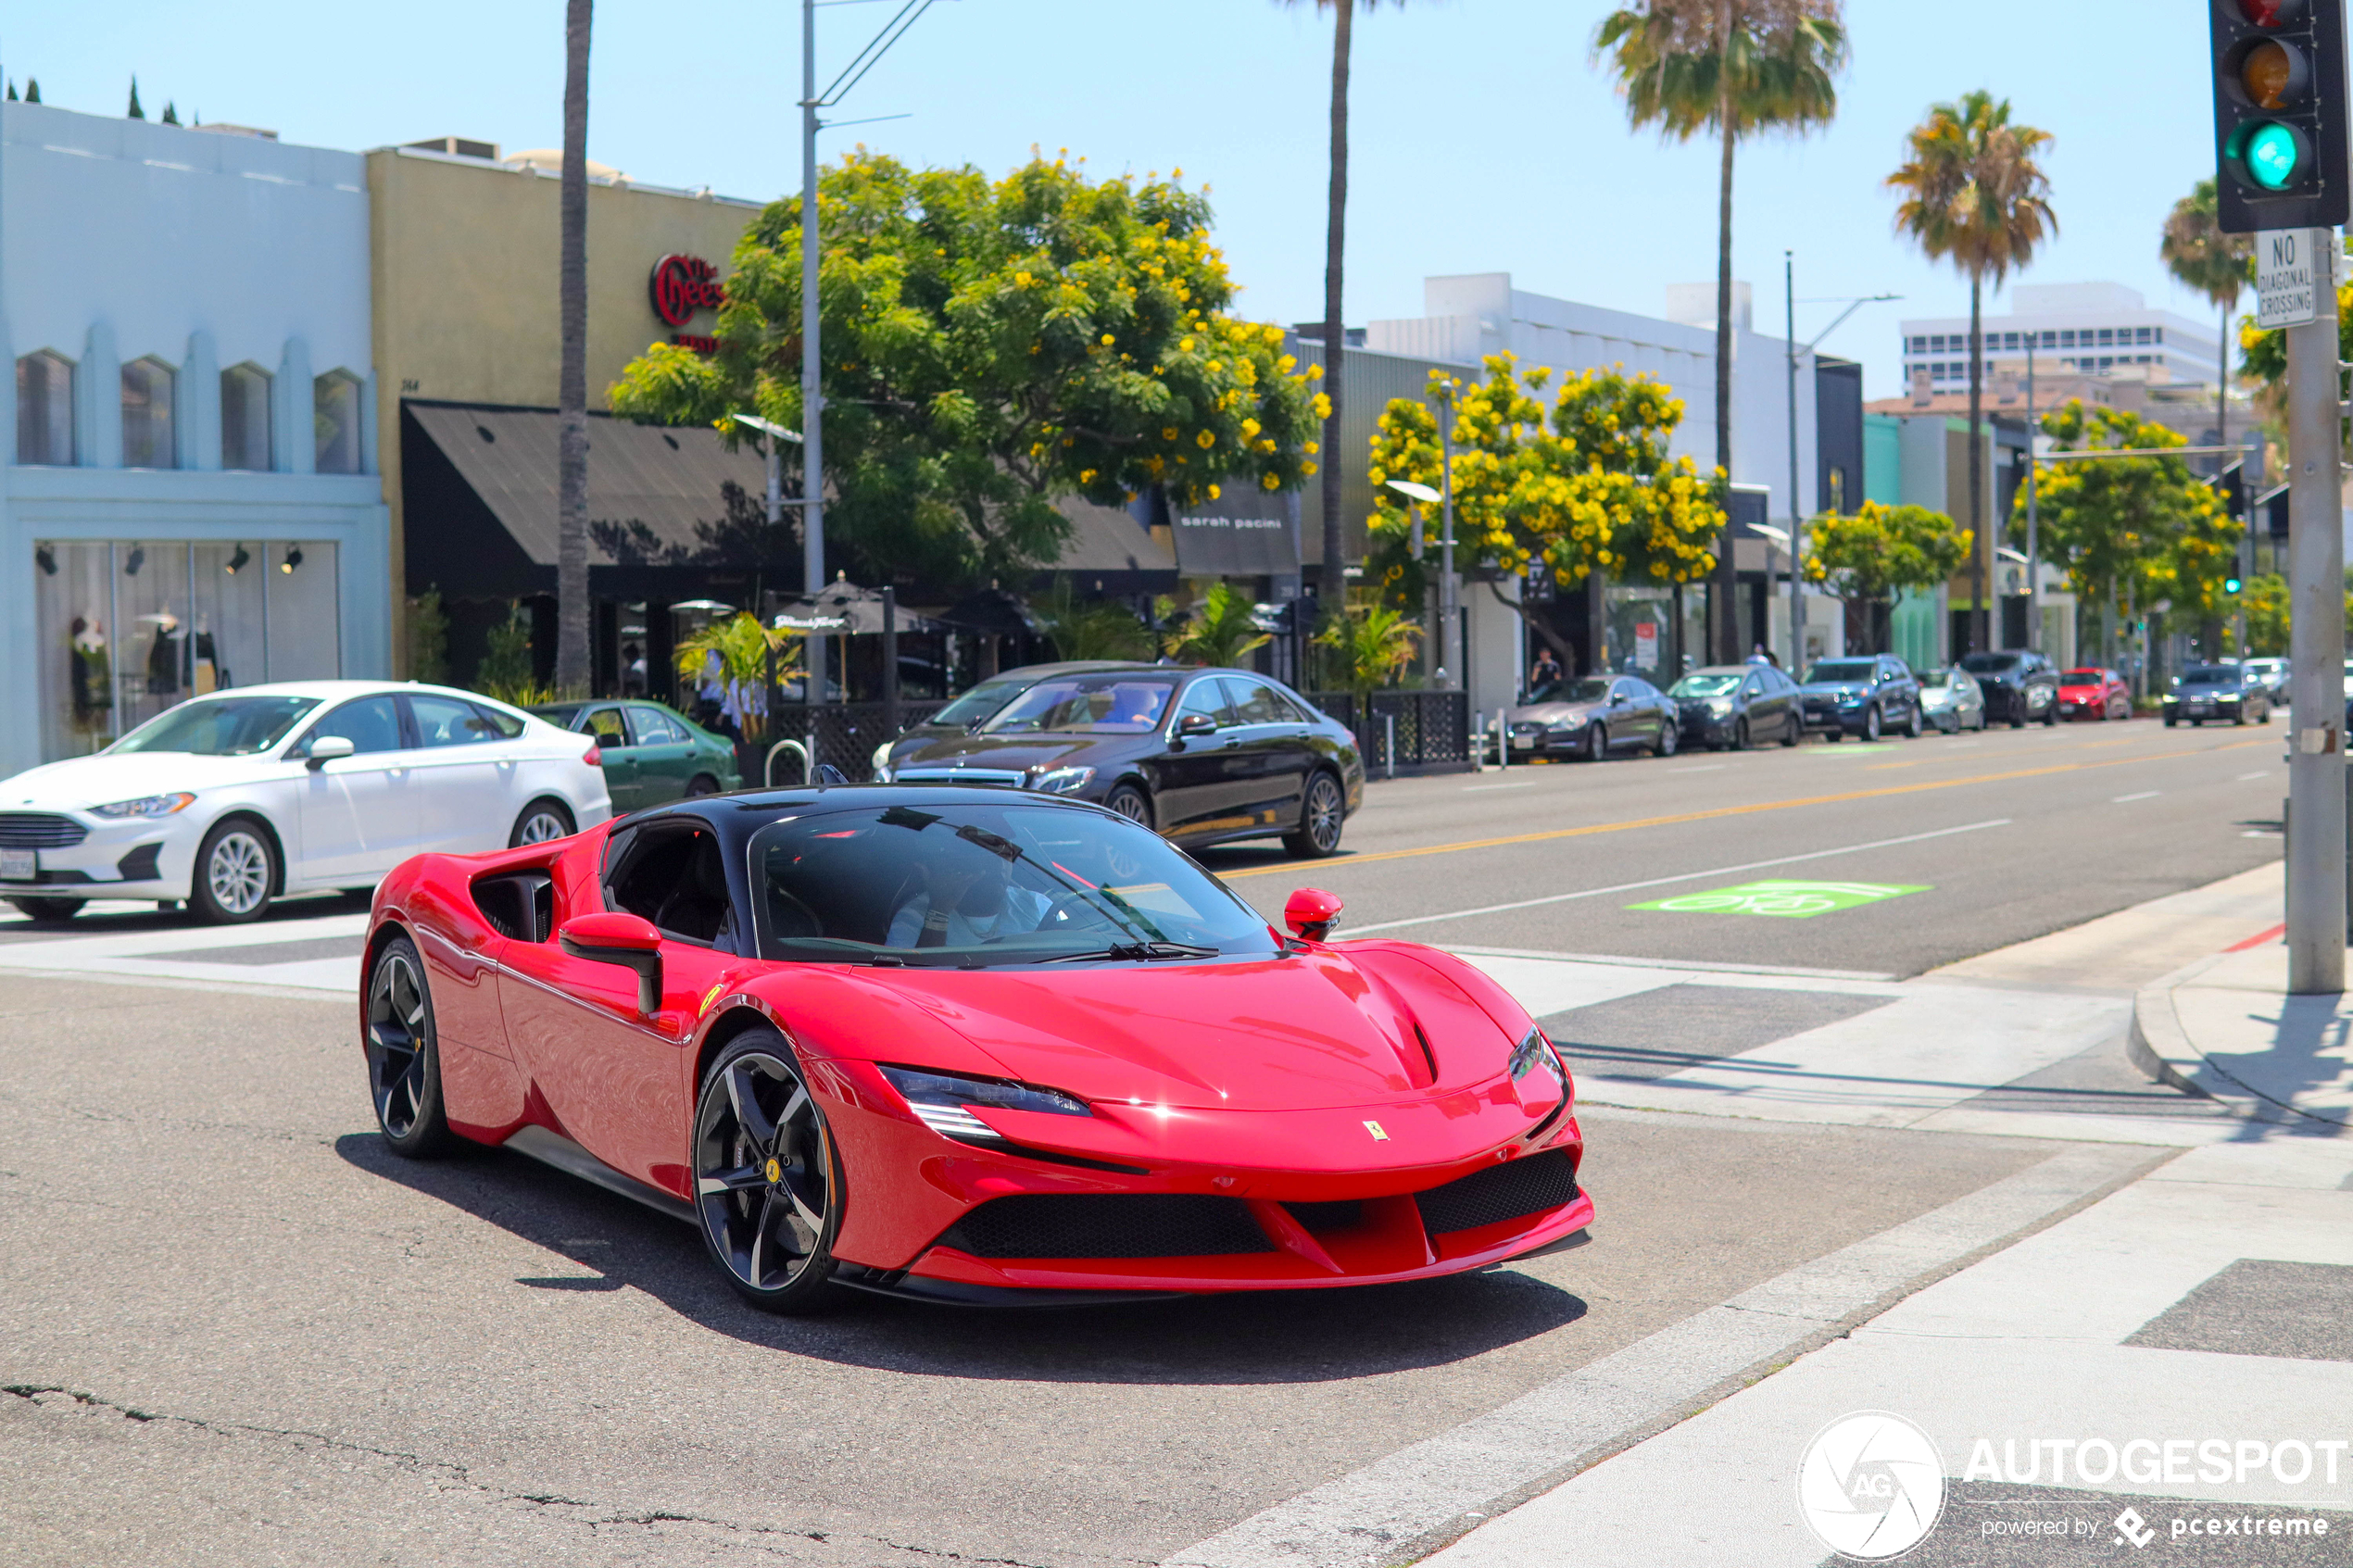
(92,677)
(163,657)
(206,675)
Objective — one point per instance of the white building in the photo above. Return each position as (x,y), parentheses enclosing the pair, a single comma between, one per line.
(2092,329)
(190,499)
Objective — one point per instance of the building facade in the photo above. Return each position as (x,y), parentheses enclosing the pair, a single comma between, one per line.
(191,500)
(2091,329)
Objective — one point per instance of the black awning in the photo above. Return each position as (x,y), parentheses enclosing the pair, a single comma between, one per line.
(1251,536)
(667,507)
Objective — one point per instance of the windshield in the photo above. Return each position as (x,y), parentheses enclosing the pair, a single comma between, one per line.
(977,704)
(1704,686)
(2209,675)
(2082,678)
(978,886)
(1990,663)
(220,726)
(1590,689)
(1084,704)
(1841,669)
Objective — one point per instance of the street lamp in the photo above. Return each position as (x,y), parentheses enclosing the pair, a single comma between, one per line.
(776,434)
(1449,628)
(1423,496)
(1796,522)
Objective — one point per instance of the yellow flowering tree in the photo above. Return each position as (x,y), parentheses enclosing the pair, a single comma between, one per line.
(991,347)
(1868,557)
(1581,485)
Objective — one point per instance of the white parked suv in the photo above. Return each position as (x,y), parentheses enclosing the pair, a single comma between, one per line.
(232,799)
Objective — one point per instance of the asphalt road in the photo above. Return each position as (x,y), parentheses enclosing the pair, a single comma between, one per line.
(2006,835)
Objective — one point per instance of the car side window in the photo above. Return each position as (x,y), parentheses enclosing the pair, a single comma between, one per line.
(444,720)
(373,723)
(503,726)
(1254,702)
(1206,697)
(605,724)
(677,881)
(654,729)
(1297,713)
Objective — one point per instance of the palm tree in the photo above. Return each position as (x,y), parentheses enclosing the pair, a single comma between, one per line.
(2197,252)
(1733,68)
(1222,628)
(1372,645)
(1333,586)
(571,381)
(1974,196)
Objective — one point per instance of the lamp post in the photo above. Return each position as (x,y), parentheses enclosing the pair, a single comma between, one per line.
(1421,496)
(2033,539)
(1796,518)
(1449,629)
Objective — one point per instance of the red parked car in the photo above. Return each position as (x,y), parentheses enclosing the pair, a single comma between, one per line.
(2093,694)
(966,1044)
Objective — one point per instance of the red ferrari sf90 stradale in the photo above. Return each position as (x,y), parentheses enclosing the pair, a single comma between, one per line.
(965,1045)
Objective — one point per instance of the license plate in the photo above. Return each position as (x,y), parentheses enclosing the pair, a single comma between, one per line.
(20,865)
(1524,743)
(2201,708)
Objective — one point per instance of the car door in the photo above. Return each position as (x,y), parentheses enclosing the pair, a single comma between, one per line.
(1193,784)
(1271,740)
(359,815)
(666,759)
(621,1083)
(461,776)
(623,779)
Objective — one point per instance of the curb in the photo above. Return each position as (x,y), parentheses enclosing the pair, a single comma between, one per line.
(2158,1046)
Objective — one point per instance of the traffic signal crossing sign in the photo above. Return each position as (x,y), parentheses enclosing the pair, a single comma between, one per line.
(2279,122)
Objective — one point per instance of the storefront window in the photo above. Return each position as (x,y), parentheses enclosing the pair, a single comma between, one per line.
(127,630)
(146,416)
(245,417)
(335,404)
(44,408)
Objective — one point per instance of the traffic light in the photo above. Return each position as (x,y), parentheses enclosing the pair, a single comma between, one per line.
(2279,120)
(2231,584)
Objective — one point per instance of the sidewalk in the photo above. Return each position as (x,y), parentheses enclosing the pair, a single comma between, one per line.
(2226,1027)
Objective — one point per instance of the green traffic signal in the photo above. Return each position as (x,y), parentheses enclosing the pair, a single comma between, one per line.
(2268,153)
(2231,584)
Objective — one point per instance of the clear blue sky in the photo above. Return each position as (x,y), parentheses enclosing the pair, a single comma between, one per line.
(1482,141)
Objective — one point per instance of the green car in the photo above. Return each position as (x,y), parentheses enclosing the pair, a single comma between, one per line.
(652,754)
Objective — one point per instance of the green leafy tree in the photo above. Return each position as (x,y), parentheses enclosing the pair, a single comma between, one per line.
(507,667)
(1221,631)
(1089,628)
(1583,485)
(1370,646)
(2131,529)
(32,89)
(1869,557)
(1734,68)
(427,639)
(2196,251)
(2263,355)
(135,111)
(1975,195)
(991,347)
(170,113)
(2266,602)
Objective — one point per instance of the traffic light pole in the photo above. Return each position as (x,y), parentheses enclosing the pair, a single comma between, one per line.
(2316,903)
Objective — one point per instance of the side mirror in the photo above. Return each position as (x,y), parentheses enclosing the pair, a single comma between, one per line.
(626,940)
(1193,724)
(1311,913)
(326,749)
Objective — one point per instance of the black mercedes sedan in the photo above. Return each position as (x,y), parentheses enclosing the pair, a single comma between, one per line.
(2019,686)
(1204,756)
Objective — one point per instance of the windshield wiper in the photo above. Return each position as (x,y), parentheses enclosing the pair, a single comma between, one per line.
(1139,950)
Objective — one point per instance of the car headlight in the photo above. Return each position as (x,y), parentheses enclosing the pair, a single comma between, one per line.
(1535,1050)
(145,805)
(1850,699)
(1722,708)
(1063,781)
(1564,726)
(941,1101)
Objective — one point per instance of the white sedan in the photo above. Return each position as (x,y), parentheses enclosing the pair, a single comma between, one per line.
(230,800)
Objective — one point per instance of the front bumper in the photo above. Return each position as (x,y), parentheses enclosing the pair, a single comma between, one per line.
(1824,717)
(1536,740)
(139,857)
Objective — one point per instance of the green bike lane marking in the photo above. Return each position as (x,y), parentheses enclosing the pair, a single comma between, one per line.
(1788,900)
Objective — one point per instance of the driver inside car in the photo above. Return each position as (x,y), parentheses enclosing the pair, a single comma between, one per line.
(978,903)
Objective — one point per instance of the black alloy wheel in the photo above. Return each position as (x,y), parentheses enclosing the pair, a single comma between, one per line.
(767,1181)
(2050,716)
(1870,724)
(1740,733)
(700,785)
(1670,736)
(404,1055)
(1913,726)
(1792,730)
(1322,815)
(1596,741)
(47,911)
(1131,803)
(236,872)
(543,821)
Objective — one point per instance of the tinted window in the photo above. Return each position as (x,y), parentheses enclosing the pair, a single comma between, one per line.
(605,724)
(2082,677)
(1254,702)
(1206,697)
(1587,689)
(1841,669)
(1298,711)
(505,725)
(977,704)
(1083,704)
(1704,684)
(2209,675)
(231,726)
(371,725)
(1990,663)
(971,884)
(444,721)
(678,882)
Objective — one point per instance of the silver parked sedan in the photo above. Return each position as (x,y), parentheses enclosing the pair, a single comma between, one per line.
(1950,701)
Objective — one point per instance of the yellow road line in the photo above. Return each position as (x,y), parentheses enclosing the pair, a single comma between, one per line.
(1291,869)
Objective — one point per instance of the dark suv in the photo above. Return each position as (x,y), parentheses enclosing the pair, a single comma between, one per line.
(1862,695)
(2018,687)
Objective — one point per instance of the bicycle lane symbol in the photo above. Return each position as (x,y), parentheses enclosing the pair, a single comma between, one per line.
(1787,900)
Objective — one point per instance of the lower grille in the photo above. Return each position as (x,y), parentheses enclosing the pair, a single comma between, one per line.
(1320,1217)
(39,830)
(1108,1225)
(1510,1191)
